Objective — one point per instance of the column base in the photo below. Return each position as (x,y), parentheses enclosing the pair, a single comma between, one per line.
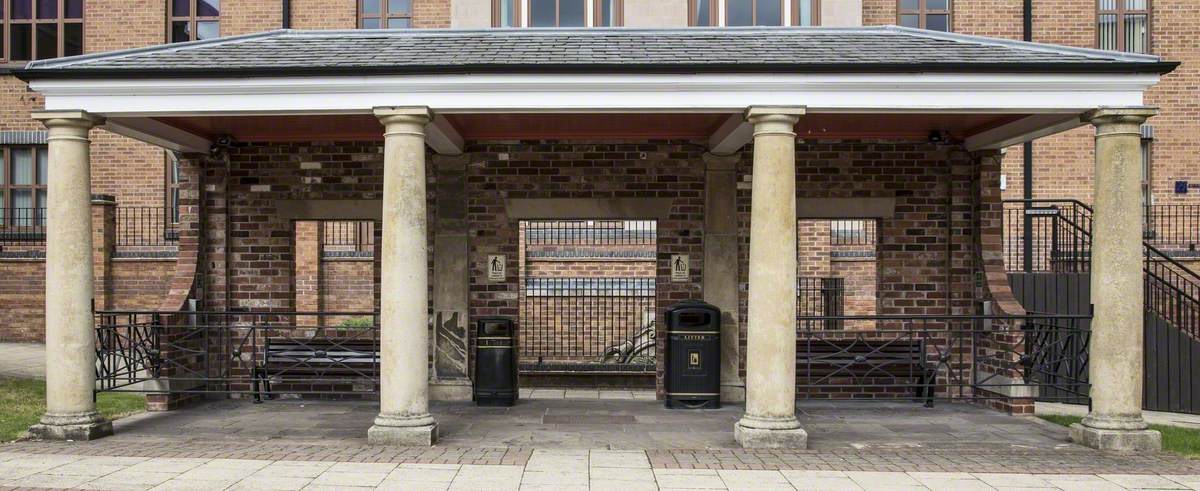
(1141,441)
(407,431)
(72,427)
(759,433)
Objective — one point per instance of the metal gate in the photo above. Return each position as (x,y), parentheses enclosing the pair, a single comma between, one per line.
(588,296)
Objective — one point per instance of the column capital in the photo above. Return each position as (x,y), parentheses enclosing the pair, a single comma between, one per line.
(767,114)
(68,118)
(403,114)
(1118,115)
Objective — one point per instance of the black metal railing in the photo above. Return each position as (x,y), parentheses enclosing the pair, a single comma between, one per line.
(822,297)
(853,232)
(589,324)
(923,358)
(254,353)
(22,227)
(1172,291)
(348,238)
(590,232)
(1174,229)
(1059,237)
(145,226)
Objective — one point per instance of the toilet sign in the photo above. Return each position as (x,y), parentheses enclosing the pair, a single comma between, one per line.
(680,269)
(495,267)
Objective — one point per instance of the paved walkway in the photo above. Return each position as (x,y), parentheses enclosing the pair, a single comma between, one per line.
(559,470)
(22,360)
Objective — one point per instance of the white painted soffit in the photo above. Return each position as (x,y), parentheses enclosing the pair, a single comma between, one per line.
(448,94)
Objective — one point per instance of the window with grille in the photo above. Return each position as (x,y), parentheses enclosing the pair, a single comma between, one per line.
(385,14)
(1123,25)
(40,29)
(934,15)
(194,20)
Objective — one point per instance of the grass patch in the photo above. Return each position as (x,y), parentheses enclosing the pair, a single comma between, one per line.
(1183,441)
(23,401)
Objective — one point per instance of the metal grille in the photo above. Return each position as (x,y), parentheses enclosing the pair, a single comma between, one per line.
(822,297)
(22,227)
(588,296)
(145,226)
(348,238)
(853,232)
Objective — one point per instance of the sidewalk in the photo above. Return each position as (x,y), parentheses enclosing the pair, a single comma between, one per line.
(22,360)
(560,470)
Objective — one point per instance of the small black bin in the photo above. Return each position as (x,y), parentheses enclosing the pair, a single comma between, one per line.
(495,362)
(693,378)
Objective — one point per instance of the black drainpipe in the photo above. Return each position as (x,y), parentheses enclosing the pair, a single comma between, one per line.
(1027,168)
(287,14)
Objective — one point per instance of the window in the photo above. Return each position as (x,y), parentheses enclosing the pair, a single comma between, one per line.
(1123,25)
(557,13)
(23,185)
(194,20)
(506,13)
(753,12)
(40,29)
(806,12)
(172,188)
(925,14)
(608,13)
(384,14)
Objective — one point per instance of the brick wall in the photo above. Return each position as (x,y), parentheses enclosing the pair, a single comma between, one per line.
(431,13)
(347,285)
(22,301)
(248,16)
(324,14)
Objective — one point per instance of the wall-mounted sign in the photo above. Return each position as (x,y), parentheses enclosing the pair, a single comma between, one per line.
(1183,187)
(680,268)
(496,267)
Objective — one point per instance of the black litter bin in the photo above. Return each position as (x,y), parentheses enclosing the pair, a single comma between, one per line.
(693,378)
(495,362)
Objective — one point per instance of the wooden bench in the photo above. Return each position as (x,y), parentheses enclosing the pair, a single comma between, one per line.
(316,358)
(850,362)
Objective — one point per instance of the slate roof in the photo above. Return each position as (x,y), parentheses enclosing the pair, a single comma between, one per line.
(679,50)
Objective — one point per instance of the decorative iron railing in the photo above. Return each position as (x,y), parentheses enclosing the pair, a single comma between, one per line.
(146,226)
(980,357)
(252,353)
(1058,238)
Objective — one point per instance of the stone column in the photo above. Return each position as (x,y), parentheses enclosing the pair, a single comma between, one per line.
(1115,362)
(770,419)
(720,280)
(70,338)
(404,417)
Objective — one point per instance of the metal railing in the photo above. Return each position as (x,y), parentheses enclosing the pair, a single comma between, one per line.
(590,232)
(853,232)
(22,227)
(1174,229)
(1059,239)
(817,296)
(584,324)
(145,226)
(237,352)
(342,238)
(923,358)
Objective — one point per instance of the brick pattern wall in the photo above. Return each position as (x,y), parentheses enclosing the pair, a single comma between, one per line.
(431,13)
(324,14)
(248,16)
(347,285)
(23,301)
(812,249)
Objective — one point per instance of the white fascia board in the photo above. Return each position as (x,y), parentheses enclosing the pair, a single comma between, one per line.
(732,93)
